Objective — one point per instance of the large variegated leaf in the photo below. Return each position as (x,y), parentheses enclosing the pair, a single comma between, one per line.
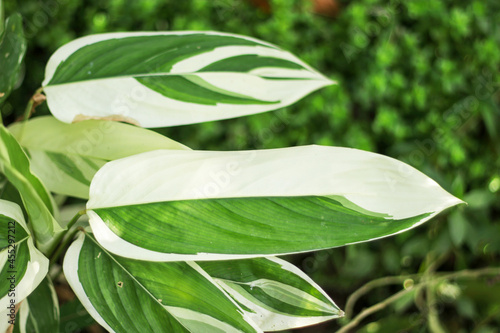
(170,78)
(14,164)
(39,313)
(202,205)
(126,295)
(275,294)
(66,156)
(12,50)
(22,266)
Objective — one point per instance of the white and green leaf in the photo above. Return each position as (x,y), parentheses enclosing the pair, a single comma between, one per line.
(275,294)
(22,266)
(202,205)
(39,313)
(126,295)
(66,156)
(15,165)
(157,79)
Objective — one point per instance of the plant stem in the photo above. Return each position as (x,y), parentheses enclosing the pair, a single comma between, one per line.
(63,245)
(1,17)
(437,278)
(430,287)
(34,101)
(56,246)
(352,299)
(375,308)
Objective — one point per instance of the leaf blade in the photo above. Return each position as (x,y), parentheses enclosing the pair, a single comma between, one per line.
(66,156)
(22,266)
(173,78)
(39,313)
(275,294)
(271,201)
(126,295)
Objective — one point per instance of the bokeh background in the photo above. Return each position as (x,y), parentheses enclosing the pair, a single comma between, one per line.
(418,80)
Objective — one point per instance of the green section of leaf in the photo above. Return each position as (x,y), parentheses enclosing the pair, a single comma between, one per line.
(43,313)
(11,232)
(12,50)
(268,284)
(193,89)
(15,165)
(67,165)
(14,267)
(105,59)
(132,295)
(268,225)
(9,192)
(245,63)
(268,296)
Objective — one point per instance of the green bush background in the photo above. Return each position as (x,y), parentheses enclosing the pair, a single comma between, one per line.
(418,81)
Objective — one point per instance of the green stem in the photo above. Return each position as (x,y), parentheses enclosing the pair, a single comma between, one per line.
(29,106)
(434,324)
(63,245)
(56,245)
(438,277)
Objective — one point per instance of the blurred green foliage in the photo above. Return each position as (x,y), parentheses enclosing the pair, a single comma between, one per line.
(419,80)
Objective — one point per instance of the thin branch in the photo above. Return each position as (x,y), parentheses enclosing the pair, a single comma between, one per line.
(375,308)
(56,244)
(63,245)
(353,298)
(437,278)
(35,100)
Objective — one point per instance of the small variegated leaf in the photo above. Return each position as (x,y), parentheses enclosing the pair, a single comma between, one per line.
(15,165)
(157,79)
(126,295)
(39,313)
(66,156)
(203,205)
(275,294)
(12,50)
(22,266)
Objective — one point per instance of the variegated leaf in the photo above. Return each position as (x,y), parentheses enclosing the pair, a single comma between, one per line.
(203,205)
(12,50)
(39,313)
(22,266)
(14,164)
(157,79)
(126,295)
(275,294)
(66,156)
